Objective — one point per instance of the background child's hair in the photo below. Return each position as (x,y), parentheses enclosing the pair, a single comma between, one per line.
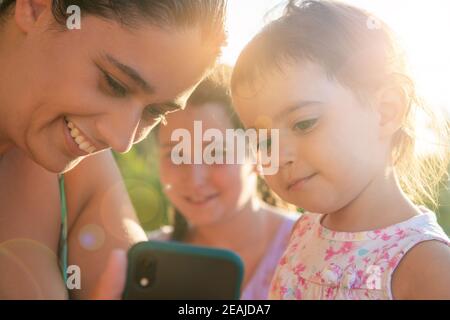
(216,89)
(360,52)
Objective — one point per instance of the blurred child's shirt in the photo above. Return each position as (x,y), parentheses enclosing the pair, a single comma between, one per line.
(321,264)
(259,285)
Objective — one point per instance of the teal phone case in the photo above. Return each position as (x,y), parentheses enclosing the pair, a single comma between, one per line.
(178,271)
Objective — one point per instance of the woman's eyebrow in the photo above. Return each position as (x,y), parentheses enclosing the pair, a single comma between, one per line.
(131,73)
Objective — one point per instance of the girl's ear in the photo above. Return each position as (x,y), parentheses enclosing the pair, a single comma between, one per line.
(27,12)
(392,107)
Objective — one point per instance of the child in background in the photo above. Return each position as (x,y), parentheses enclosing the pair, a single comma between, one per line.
(217,205)
(331,79)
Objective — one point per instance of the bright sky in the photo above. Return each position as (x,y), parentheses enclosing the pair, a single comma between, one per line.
(422,26)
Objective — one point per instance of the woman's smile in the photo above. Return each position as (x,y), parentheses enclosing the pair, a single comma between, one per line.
(78,144)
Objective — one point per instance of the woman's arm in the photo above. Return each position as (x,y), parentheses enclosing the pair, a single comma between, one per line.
(105,220)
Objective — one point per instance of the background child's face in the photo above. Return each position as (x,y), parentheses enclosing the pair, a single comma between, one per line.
(204,194)
(328,137)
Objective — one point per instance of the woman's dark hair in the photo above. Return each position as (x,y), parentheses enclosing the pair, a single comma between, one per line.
(208,15)
(361,53)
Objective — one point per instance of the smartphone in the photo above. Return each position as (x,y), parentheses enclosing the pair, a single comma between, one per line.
(177,271)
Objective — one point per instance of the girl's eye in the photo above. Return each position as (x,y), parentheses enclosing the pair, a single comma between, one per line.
(305,126)
(118,89)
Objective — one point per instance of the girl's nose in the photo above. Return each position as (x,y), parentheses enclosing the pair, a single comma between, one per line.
(287,154)
(118,129)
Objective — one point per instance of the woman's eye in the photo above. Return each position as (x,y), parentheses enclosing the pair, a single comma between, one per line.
(304,126)
(153,111)
(156,113)
(118,89)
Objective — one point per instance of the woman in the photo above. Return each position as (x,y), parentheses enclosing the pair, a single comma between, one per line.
(217,205)
(66,98)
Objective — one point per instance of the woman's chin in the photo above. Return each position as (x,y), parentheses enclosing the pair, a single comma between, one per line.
(69,166)
(59,166)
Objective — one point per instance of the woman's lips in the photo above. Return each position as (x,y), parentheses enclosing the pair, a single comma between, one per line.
(298,184)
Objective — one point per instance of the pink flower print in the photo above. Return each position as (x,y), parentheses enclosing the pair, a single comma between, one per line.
(393,263)
(351,260)
(329,293)
(346,248)
(298,294)
(298,269)
(385,237)
(401,234)
(301,281)
(366,260)
(329,253)
(302,227)
(283,291)
(376,234)
(283,260)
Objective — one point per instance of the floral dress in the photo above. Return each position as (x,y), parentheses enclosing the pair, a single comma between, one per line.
(323,264)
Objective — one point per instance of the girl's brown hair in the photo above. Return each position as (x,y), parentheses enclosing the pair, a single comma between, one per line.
(360,51)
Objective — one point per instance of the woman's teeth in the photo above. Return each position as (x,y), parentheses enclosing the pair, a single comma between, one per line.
(79,138)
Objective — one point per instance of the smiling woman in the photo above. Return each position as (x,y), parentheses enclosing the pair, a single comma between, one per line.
(71,95)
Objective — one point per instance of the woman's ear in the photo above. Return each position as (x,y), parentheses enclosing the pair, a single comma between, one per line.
(392,107)
(27,12)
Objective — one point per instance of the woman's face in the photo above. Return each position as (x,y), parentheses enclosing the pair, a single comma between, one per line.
(67,94)
(204,194)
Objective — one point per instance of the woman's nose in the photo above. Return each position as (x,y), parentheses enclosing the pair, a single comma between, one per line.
(118,129)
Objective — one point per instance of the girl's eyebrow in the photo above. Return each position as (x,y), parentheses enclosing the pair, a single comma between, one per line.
(295,106)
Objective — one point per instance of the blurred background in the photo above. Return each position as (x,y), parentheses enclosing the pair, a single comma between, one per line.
(420,27)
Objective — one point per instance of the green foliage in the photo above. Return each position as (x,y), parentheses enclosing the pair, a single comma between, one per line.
(139,169)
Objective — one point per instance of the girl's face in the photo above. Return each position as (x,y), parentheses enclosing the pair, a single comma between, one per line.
(204,194)
(110,82)
(330,145)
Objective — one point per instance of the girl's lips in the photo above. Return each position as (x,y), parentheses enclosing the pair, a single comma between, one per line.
(72,146)
(298,184)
